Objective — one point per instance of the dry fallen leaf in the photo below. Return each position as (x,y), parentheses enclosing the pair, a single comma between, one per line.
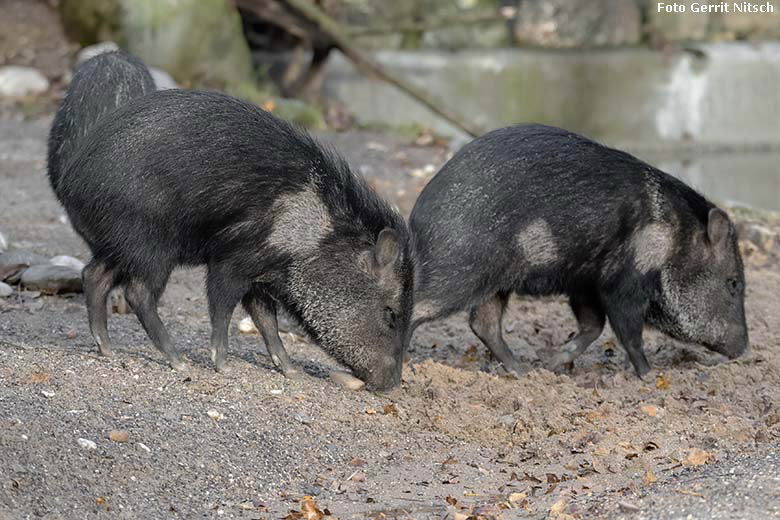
(118,435)
(269,106)
(391,409)
(650,410)
(697,457)
(595,415)
(309,509)
(71,334)
(690,493)
(662,382)
(39,377)
(558,507)
(516,497)
(451,500)
(649,477)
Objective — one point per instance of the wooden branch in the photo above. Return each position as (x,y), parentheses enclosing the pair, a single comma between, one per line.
(431,23)
(329,27)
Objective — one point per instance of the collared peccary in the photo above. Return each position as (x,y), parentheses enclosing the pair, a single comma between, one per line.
(180,178)
(538,210)
(100,85)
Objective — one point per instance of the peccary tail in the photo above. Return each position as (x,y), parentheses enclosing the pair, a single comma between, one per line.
(100,85)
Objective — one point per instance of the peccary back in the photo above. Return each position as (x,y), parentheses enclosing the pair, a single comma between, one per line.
(539,210)
(100,85)
(188,178)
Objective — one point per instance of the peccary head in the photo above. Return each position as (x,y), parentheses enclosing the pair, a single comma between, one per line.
(350,287)
(703,288)
(356,300)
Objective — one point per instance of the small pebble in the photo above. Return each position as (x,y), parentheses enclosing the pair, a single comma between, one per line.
(346,380)
(247,326)
(119,436)
(302,418)
(47,393)
(628,506)
(87,444)
(276,391)
(217,416)
(68,261)
(144,447)
(71,334)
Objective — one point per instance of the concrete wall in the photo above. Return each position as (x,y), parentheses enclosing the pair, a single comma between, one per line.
(722,95)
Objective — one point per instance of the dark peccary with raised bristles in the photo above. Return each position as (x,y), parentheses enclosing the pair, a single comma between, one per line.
(100,85)
(538,210)
(181,178)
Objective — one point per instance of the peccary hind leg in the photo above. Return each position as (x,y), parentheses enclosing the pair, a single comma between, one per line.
(98,281)
(485,321)
(262,309)
(143,297)
(590,320)
(224,292)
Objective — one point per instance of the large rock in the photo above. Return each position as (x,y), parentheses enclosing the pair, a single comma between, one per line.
(199,42)
(21,257)
(162,80)
(52,279)
(578,23)
(3,242)
(68,261)
(16,82)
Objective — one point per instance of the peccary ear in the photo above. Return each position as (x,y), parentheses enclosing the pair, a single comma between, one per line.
(717,226)
(387,248)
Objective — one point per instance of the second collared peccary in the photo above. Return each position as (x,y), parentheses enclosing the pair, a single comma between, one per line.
(180,178)
(537,210)
(100,85)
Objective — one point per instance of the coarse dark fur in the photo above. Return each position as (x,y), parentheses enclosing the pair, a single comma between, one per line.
(539,210)
(100,85)
(183,178)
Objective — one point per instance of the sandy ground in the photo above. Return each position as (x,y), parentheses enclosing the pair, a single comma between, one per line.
(456,438)
(699,438)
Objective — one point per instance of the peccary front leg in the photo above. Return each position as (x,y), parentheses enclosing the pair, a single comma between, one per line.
(590,320)
(98,280)
(627,320)
(485,321)
(143,297)
(262,309)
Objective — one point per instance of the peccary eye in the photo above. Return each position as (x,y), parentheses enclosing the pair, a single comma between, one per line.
(733,285)
(390,317)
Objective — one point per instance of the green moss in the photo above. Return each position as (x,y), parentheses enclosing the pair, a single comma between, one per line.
(91,21)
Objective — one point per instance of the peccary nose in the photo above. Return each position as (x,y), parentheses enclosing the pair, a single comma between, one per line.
(737,350)
(386,374)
